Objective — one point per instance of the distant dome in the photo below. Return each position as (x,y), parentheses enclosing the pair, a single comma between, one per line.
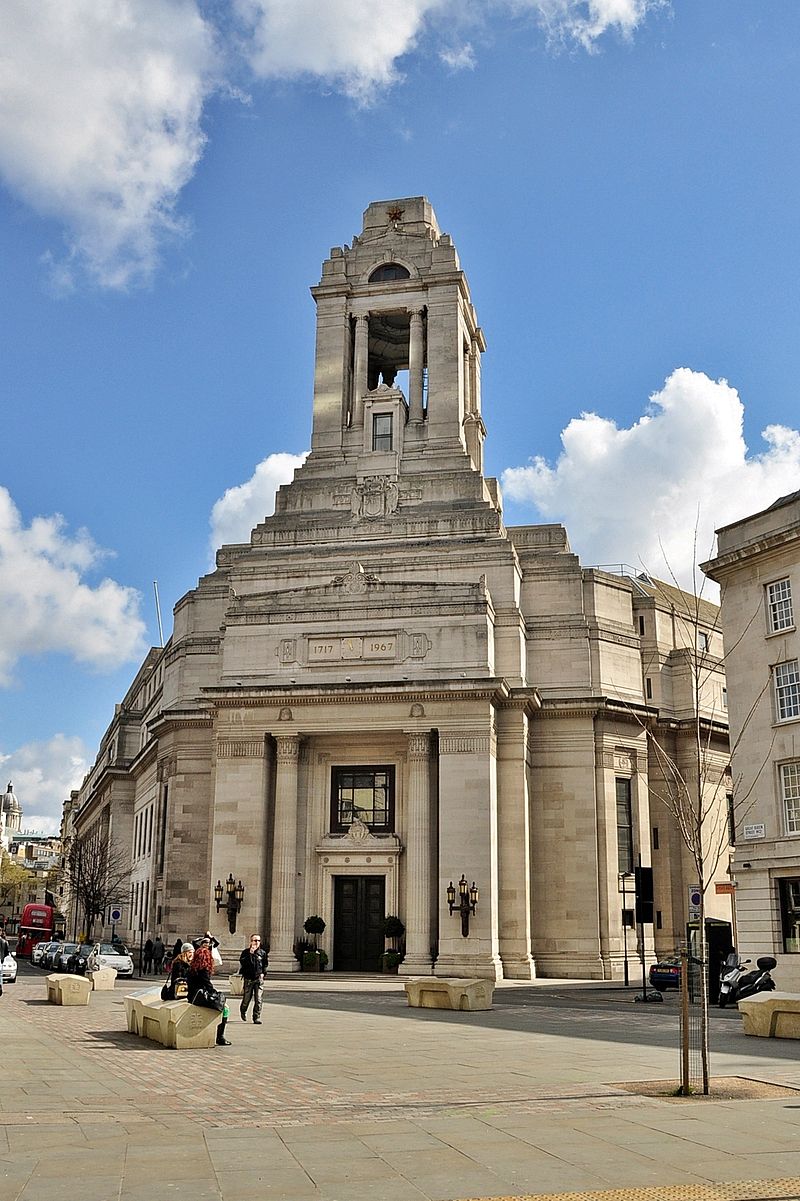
(10,803)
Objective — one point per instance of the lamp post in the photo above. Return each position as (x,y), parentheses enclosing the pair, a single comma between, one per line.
(229,897)
(467,901)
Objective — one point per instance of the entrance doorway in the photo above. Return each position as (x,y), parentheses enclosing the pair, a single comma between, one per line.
(358,913)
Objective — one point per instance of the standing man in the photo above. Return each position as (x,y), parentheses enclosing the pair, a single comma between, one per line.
(5,949)
(252,965)
(158,954)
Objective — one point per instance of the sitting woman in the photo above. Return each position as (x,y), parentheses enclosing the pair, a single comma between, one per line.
(199,978)
(176,988)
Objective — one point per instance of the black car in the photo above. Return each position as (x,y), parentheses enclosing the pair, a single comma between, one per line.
(666,973)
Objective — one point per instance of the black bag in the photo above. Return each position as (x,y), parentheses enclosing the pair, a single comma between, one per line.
(208,997)
(175,989)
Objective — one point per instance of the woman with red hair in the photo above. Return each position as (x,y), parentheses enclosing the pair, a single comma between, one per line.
(199,977)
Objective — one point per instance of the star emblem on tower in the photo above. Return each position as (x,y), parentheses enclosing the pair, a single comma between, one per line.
(394,213)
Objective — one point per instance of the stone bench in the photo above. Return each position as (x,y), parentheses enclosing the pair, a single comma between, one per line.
(429,992)
(64,989)
(236,985)
(772,1015)
(175,1024)
(103,979)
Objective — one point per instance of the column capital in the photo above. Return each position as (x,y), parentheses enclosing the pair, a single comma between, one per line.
(362,317)
(288,747)
(419,744)
(416,313)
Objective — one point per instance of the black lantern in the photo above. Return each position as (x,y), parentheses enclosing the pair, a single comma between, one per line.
(467,901)
(230,898)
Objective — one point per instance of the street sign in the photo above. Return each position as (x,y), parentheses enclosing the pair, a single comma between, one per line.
(694,902)
(116,916)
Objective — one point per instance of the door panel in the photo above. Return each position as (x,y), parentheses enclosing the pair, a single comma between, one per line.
(357,923)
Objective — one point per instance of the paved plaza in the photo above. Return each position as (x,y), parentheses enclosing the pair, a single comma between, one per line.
(344,1094)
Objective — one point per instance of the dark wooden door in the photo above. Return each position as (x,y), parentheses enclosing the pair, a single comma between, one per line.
(358,923)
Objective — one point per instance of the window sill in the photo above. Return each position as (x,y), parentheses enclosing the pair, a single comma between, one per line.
(780,633)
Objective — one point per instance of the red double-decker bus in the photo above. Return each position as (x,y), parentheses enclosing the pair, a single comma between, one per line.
(36,925)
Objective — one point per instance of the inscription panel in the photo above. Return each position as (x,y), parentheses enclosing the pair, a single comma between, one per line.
(368,646)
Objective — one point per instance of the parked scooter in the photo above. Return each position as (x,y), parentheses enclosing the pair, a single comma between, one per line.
(736,983)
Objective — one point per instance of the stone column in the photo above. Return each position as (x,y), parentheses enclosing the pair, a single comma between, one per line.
(418,858)
(284,856)
(360,368)
(416,359)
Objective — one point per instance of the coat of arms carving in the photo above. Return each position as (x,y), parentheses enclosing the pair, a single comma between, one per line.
(376,496)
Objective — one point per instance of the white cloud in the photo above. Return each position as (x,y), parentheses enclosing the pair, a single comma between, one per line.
(46,605)
(43,773)
(343,41)
(101,104)
(622,491)
(100,108)
(458,58)
(242,507)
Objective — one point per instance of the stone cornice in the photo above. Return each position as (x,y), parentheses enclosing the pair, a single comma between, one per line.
(491,689)
(715,568)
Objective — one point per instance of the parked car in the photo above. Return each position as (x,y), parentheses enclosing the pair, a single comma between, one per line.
(666,973)
(39,951)
(50,956)
(9,969)
(115,955)
(58,960)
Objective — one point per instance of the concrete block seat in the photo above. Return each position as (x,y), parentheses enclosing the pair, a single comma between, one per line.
(236,985)
(103,979)
(772,1015)
(428,992)
(175,1024)
(65,989)
(134,1004)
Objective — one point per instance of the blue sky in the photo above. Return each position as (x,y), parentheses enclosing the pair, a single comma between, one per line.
(620,178)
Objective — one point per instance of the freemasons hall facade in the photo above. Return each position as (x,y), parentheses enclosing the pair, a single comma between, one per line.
(386,688)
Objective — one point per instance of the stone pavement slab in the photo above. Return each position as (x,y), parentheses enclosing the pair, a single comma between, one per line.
(345,1093)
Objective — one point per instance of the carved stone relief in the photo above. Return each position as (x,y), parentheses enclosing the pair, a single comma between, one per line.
(376,496)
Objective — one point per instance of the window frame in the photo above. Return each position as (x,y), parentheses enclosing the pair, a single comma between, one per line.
(625,847)
(776,604)
(790,796)
(337,826)
(787,693)
(376,436)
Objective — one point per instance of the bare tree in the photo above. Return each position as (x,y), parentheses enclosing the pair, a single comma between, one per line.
(694,785)
(96,875)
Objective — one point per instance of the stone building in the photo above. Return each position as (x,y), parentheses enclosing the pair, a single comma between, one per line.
(758,566)
(387,688)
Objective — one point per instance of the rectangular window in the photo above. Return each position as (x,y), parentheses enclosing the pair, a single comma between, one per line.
(787,689)
(724,698)
(731,819)
(382,431)
(703,642)
(659,920)
(655,838)
(790,793)
(624,826)
(779,606)
(648,688)
(641,626)
(365,794)
(789,900)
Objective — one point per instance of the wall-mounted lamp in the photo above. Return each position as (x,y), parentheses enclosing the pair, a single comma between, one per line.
(466,904)
(232,902)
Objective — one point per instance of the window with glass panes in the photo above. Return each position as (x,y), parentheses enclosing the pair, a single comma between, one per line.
(787,689)
(382,431)
(779,606)
(363,793)
(624,826)
(790,791)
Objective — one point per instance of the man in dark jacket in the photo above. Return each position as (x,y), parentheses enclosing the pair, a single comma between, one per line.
(252,965)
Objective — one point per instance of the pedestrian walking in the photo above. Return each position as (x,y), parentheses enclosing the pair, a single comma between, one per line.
(158,954)
(147,957)
(5,949)
(201,990)
(252,966)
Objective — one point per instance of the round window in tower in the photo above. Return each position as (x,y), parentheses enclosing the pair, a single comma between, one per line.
(388,272)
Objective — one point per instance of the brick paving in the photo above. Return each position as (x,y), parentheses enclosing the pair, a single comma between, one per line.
(348,1094)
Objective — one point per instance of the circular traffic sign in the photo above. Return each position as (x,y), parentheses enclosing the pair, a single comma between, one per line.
(116,915)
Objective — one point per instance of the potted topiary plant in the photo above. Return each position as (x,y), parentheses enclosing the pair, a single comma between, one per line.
(313,959)
(391,958)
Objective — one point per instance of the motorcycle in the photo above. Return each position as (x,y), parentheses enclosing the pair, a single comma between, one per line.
(736,982)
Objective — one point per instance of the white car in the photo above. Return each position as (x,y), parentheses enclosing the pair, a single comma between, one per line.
(39,951)
(115,955)
(9,970)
